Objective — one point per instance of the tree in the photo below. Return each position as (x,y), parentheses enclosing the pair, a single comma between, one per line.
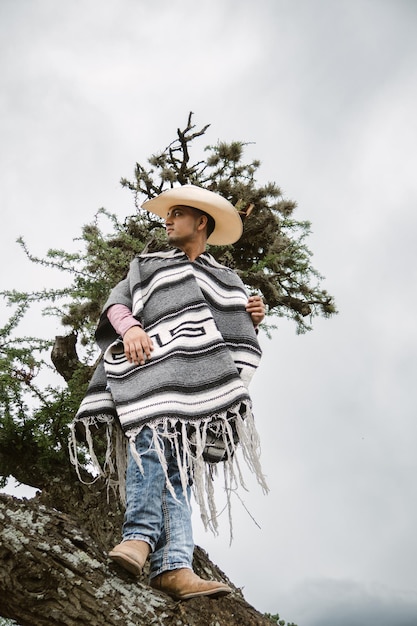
(53,548)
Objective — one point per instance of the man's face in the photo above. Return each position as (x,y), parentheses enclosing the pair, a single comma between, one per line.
(181,225)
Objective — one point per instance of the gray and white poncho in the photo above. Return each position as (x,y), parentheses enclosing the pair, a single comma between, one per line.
(193,389)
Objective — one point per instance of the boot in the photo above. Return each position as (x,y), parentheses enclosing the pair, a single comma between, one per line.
(131,555)
(183,584)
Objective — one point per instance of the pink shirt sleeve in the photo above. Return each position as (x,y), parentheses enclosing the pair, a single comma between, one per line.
(121,318)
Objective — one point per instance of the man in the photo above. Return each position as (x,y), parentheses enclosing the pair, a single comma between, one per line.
(180,347)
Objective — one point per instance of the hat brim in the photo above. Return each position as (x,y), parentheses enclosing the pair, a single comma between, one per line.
(228,224)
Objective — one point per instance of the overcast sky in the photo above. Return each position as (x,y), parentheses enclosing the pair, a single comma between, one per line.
(327,91)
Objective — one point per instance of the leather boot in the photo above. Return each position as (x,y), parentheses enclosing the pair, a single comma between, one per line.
(183,584)
(131,555)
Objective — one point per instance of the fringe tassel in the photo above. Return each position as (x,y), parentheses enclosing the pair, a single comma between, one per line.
(236,432)
(115,460)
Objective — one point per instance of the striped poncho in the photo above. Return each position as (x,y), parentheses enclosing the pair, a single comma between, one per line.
(194,386)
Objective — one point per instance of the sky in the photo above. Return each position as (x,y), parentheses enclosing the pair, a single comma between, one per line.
(326,94)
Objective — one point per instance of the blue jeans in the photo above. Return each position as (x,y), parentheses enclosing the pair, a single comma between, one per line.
(152,513)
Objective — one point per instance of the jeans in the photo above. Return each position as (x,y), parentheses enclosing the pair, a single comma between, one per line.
(152,513)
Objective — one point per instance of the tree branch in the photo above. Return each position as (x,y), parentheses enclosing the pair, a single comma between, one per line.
(53,572)
(64,355)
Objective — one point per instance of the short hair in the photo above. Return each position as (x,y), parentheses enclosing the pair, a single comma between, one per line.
(211,224)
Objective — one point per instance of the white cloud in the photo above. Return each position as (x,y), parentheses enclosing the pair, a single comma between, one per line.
(345,603)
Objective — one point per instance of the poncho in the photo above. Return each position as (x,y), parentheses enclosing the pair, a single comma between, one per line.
(193,389)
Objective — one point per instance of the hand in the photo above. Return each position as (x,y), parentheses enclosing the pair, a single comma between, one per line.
(138,345)
(256,309)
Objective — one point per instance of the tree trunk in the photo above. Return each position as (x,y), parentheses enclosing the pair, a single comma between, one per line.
(52,571)
(64,355)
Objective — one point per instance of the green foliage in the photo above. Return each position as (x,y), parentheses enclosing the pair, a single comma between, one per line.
(275,619)
(32,419)
(272,259)
(33,416)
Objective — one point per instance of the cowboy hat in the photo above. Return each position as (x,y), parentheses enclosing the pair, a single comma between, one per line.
(228,225)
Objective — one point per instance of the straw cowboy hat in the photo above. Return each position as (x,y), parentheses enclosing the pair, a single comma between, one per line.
(228,225)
